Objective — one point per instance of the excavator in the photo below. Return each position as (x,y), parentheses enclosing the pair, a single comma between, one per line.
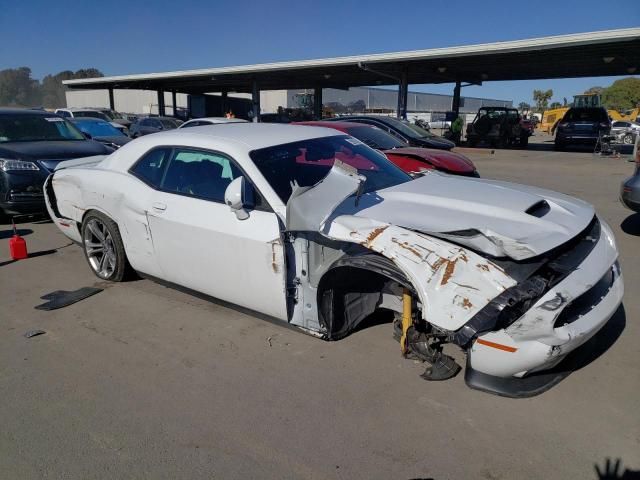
(554,115)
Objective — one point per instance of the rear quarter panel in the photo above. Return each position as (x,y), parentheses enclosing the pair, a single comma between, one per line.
(118,195)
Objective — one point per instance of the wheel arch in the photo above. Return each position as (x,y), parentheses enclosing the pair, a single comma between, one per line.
(353,288)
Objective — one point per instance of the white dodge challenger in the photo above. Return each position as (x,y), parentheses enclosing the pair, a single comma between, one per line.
(314,228)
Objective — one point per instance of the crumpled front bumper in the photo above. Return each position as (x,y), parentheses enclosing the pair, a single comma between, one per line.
(568,315)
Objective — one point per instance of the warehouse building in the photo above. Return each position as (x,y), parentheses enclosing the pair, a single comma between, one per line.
(356,99)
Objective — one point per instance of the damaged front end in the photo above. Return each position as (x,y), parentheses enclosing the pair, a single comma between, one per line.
(345,266)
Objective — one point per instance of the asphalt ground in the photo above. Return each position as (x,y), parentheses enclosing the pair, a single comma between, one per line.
(144,381)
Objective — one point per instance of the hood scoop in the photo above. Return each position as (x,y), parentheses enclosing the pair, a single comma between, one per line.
(539,209)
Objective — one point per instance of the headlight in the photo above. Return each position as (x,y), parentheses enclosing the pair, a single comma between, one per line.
(16,165)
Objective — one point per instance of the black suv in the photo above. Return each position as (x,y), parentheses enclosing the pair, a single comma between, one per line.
(582,125)
(32,143)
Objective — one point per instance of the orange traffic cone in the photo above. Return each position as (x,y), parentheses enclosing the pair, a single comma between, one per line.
(17,245)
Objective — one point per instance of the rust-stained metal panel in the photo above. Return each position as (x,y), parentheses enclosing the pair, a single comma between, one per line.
(453,283)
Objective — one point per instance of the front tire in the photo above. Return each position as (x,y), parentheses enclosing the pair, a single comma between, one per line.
(628,139)
(103,247)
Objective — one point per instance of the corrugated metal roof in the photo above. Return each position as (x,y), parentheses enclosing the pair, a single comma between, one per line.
(578,54)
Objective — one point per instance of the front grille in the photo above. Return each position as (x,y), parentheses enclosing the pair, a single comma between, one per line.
(25,196)
(584,303)
(566,258)
(511,304)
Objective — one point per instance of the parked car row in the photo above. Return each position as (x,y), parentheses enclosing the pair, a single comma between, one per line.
(410,159)
(29,135)
(100,113)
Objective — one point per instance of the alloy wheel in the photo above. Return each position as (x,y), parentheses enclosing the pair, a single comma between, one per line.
(99,248)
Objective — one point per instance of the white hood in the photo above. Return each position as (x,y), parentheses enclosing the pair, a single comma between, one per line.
(497,218)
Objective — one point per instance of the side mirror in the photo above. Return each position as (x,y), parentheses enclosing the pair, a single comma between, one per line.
(239,196)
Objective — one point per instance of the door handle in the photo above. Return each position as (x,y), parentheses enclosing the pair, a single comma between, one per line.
(160,207)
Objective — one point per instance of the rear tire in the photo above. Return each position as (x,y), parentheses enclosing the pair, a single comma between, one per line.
(628,139)
(103,247)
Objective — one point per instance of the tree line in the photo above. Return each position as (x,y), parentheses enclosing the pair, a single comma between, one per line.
(19,89)
(621,95)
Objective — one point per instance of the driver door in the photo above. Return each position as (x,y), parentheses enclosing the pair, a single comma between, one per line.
(199,242)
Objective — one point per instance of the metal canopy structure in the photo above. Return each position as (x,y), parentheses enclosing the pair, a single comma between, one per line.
(604,53)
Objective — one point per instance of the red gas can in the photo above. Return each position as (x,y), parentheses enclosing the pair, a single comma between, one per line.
(17,246)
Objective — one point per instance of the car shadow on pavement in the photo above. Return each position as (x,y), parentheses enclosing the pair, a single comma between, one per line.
(631,224)
(35,218)
(4,234)
(39,253)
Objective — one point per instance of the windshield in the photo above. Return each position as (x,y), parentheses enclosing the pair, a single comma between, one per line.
(418,131)
(307,162)
(112,114)
(168,124)
(91,114)
(35,128)
(375,138)
(99,129)
(409,129)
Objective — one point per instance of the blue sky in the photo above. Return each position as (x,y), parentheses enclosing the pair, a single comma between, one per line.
(122,37)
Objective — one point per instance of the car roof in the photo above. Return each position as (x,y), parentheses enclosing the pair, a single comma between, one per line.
(340,125)
(235,139)
(25,111)
(251,135)
(218,120)
(80,109)
(157,118)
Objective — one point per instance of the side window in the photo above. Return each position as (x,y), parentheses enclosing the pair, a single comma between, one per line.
(192,124)
(64,113)
(155,123)
(200,174)
(150,167)
(145,122)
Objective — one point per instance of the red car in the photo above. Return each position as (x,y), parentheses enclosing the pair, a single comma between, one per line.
(409,159)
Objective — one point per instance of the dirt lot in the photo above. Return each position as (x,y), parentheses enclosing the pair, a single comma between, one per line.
(142,381)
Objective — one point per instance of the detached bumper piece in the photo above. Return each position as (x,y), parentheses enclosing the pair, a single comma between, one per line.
(513,387)
(62,298)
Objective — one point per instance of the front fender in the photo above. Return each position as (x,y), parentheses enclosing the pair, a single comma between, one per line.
(453,283)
